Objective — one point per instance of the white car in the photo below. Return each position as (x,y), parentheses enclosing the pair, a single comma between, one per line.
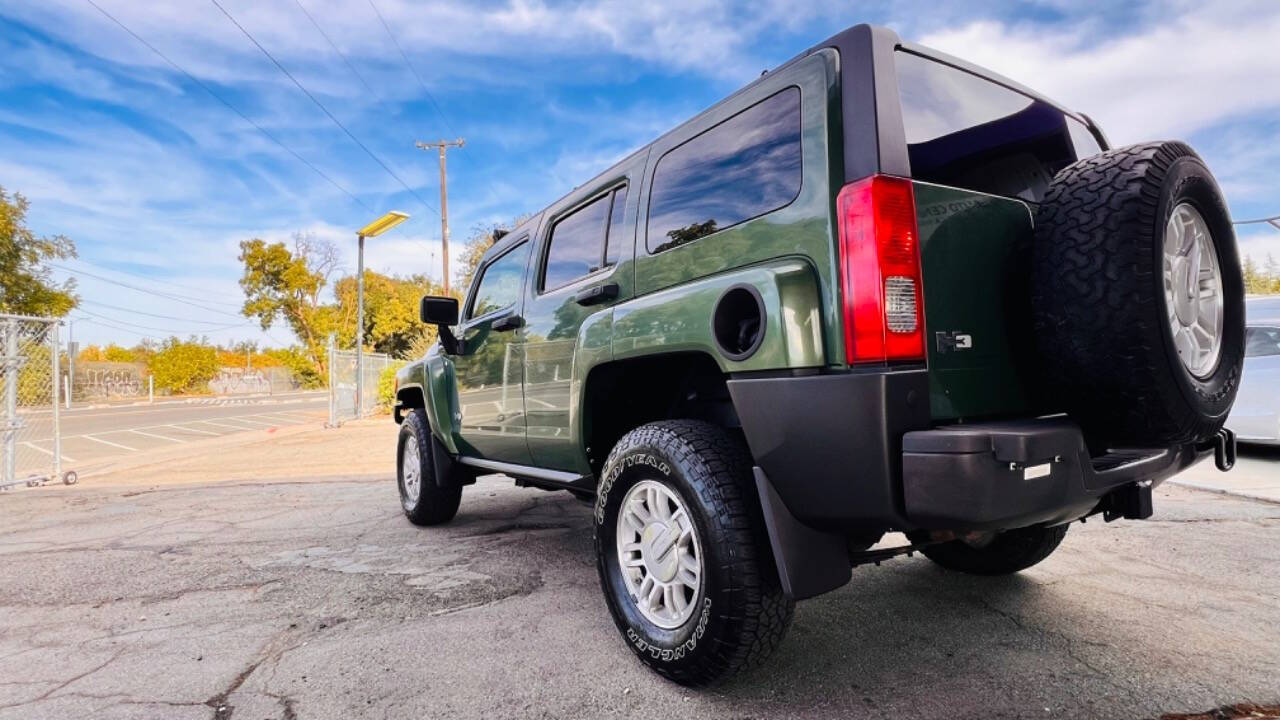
(1255,418)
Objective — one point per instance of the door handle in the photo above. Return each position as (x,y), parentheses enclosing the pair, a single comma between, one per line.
(596,294)
(507,322)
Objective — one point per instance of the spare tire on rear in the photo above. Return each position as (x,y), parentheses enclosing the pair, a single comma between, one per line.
(1137,297)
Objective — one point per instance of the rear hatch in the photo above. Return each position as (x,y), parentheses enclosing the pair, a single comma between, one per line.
(982,154)
(972,300)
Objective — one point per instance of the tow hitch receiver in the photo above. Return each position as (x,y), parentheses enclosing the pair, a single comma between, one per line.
(1131,502)
(1224,449)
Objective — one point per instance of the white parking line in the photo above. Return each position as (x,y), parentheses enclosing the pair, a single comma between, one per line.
(108,442)
(67,458)
(184,428)
(219,424)
(158,437)
(294,416)
(255,422)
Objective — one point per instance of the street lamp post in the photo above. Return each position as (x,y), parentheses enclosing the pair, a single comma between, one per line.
(373,229)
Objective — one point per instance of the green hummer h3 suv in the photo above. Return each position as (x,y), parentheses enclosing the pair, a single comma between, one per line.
(876,290)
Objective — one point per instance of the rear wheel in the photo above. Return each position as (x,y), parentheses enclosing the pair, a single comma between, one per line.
(1138,296)
(686,569)
(997,553)
(423,500)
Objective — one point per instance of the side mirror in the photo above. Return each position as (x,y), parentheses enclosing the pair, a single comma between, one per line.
(439,310)
(442,312)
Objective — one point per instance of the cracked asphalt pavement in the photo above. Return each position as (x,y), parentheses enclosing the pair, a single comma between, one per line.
(278,579)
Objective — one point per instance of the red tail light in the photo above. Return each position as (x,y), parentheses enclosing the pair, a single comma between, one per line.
(880,271)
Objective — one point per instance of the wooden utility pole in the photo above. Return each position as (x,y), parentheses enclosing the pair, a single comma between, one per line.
(441,145)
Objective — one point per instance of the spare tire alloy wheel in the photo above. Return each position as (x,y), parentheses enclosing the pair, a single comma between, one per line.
(1137,297)
(1193,290)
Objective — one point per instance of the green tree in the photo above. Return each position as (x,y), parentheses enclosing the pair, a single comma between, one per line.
(28,287)
(298,362)
(181,366)
(1255,280)
(285,285)
(391,321)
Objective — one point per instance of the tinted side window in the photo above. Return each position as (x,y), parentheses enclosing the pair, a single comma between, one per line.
(616,241)
(499,283)
(967,131)
(742,168)
(576,244)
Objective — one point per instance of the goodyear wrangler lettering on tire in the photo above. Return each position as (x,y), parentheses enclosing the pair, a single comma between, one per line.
(681,553)
(602,495)
(658,653)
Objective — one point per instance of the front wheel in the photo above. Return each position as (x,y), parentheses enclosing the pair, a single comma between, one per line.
(686,569)
(997,553)
(424,501)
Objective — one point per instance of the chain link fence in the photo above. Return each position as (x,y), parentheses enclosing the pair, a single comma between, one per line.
(344,378)
(31,449)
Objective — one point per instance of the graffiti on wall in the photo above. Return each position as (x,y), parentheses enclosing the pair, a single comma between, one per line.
(235,381)
(109,380)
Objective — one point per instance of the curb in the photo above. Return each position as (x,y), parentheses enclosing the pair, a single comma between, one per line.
(1224,491)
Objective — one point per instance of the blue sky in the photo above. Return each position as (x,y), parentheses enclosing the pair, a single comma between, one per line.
(157,181)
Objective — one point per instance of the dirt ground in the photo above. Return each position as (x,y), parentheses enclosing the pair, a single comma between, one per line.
(277,578)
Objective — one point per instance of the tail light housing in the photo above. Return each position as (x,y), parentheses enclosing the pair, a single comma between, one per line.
(880,271)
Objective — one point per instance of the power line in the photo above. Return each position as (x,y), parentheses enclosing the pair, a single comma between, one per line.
(162,282)
(347,62)
(324,109)
(342,55)
(109,325)
(147,314)
(163,330)
(91,321)
(233,108)
(157,293)
(1272,221)
(412,69)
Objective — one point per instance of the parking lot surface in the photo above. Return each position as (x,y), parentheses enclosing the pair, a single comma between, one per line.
(278,579)
(91,434)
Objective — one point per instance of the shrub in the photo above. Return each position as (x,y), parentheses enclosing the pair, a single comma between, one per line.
(387,386)
(184,366)
(299,363)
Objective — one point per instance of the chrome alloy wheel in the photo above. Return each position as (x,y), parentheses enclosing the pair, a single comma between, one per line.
(411,471)
(659,554)
(1193,290)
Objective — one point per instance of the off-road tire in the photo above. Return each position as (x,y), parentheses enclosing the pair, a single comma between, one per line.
(1100,319)
(1008,552)
(435,505)
(744,612)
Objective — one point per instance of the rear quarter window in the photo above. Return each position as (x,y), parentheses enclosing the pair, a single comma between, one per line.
(742,168)
(966,131)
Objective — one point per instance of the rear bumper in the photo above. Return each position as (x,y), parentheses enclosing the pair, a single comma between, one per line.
(845,455)
(857,453)
(993,476)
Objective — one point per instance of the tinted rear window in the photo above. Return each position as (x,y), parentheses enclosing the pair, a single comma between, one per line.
(742,168)
(966,131)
